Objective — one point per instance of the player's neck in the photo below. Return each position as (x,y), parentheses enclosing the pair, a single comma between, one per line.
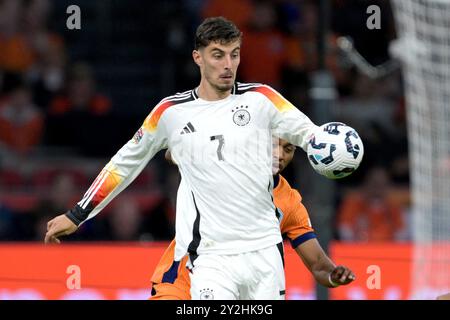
(206,92)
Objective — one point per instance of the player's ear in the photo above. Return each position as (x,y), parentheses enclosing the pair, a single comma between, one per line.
(197,57)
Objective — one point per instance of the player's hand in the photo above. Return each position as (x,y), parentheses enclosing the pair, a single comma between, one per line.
(59,226)
(444,297)
(342,275)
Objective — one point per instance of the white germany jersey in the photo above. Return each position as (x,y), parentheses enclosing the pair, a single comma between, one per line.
(223,150)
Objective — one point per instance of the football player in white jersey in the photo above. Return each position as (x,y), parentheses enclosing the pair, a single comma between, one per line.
(220,136)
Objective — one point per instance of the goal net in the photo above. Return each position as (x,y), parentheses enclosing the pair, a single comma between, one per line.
(423,47)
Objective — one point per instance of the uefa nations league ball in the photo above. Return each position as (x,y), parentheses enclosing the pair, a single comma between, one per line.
(335,150)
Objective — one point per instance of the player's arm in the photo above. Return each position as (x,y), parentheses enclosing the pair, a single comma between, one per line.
(123,168)
(320,265)
(287,122)
(296,225)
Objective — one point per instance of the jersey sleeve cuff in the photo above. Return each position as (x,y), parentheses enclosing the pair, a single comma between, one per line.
(77,215)
(304,237)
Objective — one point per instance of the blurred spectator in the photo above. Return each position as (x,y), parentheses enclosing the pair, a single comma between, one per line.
(11,179)
(82,96)
(265,45)
(238,11)
(290,16)
(7,227)
(307,33)
(16,53)
(80,107)
(125,221)
(21,122)
(160,220)
(371,111)
(2,80)
(61,195)
(47,73)
(368,103)
(371,215)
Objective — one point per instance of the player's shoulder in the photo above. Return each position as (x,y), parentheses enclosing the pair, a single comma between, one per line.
(242,88)
(283,183)
(160,109)
(178,98)
(286,188)
(266,93)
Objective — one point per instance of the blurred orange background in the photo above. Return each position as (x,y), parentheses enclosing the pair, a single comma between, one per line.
(123,271)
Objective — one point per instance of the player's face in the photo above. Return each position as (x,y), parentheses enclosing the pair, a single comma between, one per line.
(219,63)
(283,155)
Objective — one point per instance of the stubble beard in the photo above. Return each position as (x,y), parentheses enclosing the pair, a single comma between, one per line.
(222,87)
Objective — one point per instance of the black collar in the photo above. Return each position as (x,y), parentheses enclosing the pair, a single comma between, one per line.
(195,91)
(276,180)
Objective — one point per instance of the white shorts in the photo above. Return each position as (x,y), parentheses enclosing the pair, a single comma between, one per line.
(256,275)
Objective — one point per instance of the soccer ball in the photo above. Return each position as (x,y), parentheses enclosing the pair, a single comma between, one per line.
(335,150)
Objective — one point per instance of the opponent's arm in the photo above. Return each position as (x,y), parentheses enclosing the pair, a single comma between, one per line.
(297,226)
(320,265)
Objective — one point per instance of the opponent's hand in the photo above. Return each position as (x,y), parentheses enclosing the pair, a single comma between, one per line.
(444,297)
(59,226)
(342,275)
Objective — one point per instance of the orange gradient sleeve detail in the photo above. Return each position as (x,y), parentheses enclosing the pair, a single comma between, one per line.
(278,101)
(151,123)
(112,180)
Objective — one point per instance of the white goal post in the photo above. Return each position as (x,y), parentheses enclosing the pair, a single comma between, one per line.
(423,48)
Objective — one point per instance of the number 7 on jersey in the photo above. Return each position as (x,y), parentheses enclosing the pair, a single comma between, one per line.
(220,147)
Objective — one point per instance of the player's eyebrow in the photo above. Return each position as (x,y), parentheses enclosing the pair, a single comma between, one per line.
(289,146)
(222,51)
(218,50)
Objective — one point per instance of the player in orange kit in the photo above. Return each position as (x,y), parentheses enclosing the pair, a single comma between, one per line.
(171,281)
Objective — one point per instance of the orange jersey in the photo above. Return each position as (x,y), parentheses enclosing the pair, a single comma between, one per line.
(171,278)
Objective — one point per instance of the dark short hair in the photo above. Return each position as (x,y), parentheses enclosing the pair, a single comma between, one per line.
(216,29)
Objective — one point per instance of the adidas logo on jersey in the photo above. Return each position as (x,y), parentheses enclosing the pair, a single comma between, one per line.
(189,128)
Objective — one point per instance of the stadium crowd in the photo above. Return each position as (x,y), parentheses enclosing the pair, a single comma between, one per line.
(70,98)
